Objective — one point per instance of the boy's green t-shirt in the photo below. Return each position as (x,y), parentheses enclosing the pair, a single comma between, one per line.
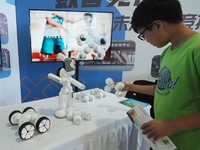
(178,89)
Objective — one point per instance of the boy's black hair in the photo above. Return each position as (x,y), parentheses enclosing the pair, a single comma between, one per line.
(150,10)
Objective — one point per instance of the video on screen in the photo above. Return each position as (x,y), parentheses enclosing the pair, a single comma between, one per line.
(77,34)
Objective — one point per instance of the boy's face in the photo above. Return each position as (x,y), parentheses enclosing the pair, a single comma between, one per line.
(141,36)
(156,35)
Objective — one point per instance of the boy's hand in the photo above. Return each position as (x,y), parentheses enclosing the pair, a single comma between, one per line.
(157,129)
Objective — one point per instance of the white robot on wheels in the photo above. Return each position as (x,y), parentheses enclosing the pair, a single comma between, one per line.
(28,121)
(66,80)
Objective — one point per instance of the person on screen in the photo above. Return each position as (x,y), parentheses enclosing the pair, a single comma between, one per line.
(53,40)
(177,92)
(53,35)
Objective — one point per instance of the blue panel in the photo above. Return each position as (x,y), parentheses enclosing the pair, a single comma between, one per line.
(11,2)
(34,81)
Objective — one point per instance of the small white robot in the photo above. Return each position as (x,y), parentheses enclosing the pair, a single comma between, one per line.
(93,44)
(66,80)
(110,85)
(28,121)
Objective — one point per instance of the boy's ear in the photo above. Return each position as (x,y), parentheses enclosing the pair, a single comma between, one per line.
(158,24)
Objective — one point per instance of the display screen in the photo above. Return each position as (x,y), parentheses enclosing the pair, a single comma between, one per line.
(77,34)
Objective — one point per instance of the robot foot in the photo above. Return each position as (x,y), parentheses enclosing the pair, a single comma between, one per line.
(60,113)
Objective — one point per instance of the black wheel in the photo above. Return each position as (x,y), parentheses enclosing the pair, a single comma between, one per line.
(43,124)
(26,130)
(29,110)
(14,117)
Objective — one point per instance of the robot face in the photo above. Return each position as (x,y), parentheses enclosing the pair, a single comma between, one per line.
(69,64)
(72,64)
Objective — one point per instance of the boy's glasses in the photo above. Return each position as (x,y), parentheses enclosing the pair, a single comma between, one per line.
(141,35)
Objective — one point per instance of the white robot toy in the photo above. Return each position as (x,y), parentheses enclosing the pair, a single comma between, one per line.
(118,87)
(66,80)
(27,121)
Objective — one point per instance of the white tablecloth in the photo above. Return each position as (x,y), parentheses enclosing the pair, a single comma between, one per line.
(109,129)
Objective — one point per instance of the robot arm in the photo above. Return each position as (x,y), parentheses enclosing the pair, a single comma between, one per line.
(57,79)
(78,84)
(65,82)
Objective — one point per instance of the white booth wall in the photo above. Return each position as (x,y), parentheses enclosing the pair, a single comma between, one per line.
(11,82)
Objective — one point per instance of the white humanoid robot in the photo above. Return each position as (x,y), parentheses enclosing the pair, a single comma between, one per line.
(66,80)
(27,121)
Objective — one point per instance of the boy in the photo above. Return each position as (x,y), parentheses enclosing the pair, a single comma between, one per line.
(177,93)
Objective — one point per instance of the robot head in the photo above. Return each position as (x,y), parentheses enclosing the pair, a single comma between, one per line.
(103,40)
(69,64)
(81,39)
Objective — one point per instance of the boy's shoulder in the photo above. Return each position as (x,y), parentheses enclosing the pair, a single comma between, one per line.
(194,40)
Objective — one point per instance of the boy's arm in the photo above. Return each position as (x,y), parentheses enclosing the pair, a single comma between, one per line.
(74,19)
(160,128)
(144,89)
(53,23)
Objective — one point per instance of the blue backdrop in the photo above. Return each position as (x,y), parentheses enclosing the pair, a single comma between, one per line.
(33,76)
